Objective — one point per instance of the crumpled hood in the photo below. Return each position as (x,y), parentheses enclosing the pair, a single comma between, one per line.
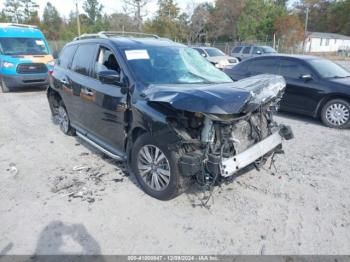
(227,98)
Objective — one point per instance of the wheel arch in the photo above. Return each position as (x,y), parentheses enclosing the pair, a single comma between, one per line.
(326,99)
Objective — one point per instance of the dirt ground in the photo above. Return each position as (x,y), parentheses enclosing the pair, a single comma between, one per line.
(60,196)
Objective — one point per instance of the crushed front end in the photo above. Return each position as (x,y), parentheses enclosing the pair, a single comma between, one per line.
(219,145)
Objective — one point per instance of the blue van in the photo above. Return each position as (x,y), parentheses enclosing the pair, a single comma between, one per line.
(25,57)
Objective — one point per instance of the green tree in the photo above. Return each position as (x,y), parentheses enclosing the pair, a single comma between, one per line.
(30,13)
(166,22)
(52,22)
(13,10)
(256,22)
(93,10)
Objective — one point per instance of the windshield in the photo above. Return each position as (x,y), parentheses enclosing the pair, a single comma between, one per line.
(214,52)
(328,69)
(268,50)
(23,46)
(173,65)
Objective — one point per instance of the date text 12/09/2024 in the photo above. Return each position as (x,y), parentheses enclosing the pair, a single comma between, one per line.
(173,258)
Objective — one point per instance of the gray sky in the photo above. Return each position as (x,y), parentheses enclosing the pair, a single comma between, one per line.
(110,6)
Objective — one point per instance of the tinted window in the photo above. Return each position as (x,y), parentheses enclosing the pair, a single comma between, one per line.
(214,52)
(328,69)
(23,46)
(264,66)
(66,56)
(246,50)
(200,51)
(256,49)
(237,49)
(293,69)
(83,59)
(106,61)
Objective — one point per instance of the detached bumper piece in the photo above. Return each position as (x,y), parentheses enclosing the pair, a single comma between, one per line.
(232,165)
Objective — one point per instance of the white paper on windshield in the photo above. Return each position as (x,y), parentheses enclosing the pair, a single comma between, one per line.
(136,54)
(39,42)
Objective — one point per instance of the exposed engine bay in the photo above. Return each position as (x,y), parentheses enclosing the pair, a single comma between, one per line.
(219,145)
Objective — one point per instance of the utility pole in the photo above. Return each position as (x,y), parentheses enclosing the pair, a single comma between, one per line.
(305,30)
(77,14)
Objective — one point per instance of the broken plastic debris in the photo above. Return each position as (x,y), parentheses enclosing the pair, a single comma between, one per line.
(79,168)
(13,168)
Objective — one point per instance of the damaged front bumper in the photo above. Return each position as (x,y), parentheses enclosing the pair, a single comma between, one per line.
(192,165)
(232,165)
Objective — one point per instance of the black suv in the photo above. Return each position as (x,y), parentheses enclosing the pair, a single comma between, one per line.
(164,109)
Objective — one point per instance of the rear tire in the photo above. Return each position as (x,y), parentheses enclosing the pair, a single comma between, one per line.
(336,114)
(63,120)
(3,87)
(156,168)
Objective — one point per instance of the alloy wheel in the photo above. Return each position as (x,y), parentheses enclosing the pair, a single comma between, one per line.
(63,119)
(337,114)
(154,167)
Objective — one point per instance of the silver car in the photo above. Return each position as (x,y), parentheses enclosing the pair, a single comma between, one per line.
(217,57)
(247,51)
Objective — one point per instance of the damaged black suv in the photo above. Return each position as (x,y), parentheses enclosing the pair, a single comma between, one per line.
(164,109)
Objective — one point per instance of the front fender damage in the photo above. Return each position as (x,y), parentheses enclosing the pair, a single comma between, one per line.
(209,135)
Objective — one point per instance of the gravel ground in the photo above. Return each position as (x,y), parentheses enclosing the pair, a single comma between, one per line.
(60,196)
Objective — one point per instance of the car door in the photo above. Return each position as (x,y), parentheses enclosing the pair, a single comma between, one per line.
(300,95)
(80,83)
(263,65)
(246,52)
(106,104)
(61,78)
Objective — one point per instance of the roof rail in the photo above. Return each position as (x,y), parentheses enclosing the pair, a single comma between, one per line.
(129,34)
(90,36)
(18,25)
(108,34)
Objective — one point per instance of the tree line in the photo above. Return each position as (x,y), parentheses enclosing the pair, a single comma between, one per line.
(221,21)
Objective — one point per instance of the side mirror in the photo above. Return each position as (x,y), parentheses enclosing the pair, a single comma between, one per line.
(109,77)
(306,77)
(204,55)
(258,52)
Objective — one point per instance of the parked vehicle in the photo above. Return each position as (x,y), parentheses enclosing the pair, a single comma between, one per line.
(25,57)
(244,52)
(315,86)
(164,109)
(217,57)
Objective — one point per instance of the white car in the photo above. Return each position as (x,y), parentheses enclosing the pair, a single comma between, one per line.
(217,57)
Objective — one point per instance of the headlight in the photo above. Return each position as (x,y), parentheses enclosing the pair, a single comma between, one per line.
(222,63)
(7,64)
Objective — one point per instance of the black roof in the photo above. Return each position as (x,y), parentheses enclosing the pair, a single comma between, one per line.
(277,55)
(130,42)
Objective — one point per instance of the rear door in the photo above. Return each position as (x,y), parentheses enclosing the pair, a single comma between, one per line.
(61,80)
(246,52)
(268,65)
(81,85)
(106,104)
(300,94)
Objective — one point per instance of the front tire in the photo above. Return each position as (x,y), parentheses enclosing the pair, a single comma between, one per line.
(336,114)
(156,168)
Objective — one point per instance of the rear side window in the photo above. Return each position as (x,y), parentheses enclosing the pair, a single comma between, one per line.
(200,51)
(83,59)
(256,50)
(293,69)
(264,66)
(246,50)
(237,49)
(66,56)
